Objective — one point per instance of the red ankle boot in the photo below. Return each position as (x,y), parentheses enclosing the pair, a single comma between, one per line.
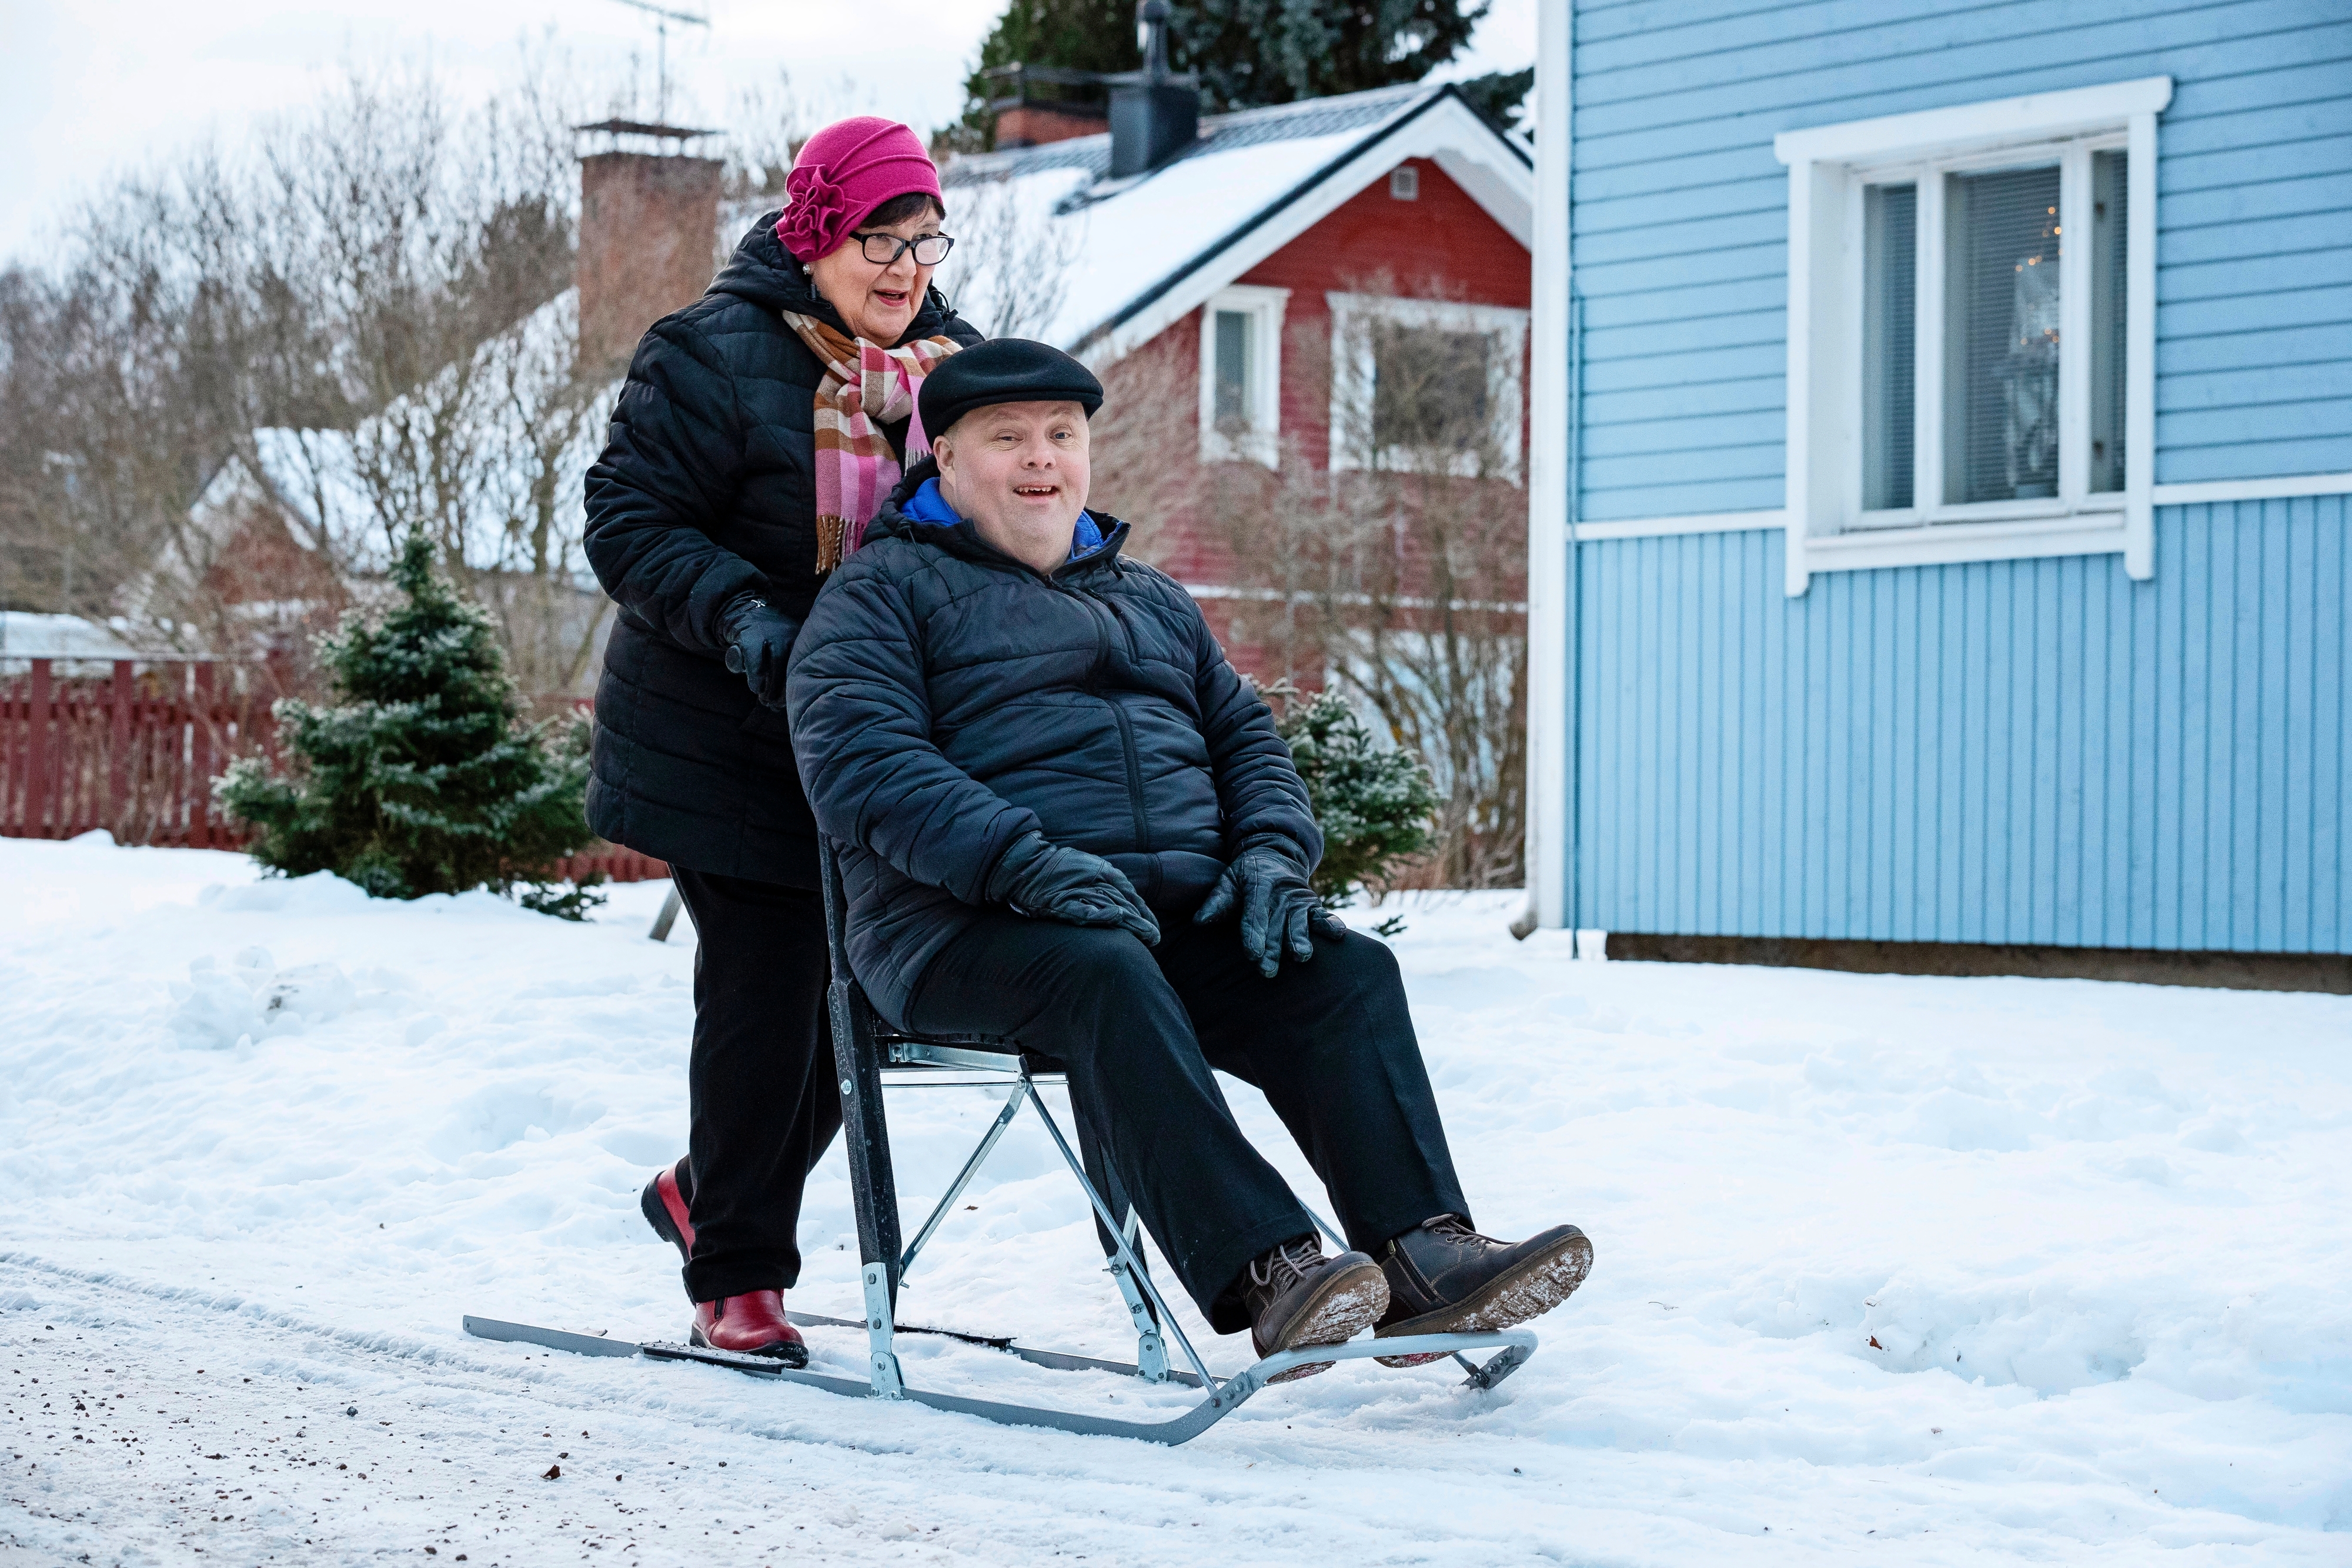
(753,1324)
(664,1204)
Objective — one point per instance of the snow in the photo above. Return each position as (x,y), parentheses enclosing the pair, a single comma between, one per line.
(286,1134)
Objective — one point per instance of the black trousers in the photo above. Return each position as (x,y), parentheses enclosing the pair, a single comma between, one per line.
(1329,1043)
(764,1104)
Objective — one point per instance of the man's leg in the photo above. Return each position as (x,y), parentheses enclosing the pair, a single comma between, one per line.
(1330,1044)
(1147,1103)
(764,1100)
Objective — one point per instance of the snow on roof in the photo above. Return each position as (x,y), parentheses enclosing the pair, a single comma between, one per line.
(321,478)
(27,634)
(1122,244)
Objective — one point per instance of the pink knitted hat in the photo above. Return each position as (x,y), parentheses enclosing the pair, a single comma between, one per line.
(843,172)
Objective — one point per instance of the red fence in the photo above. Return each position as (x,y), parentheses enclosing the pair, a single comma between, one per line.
(134,751)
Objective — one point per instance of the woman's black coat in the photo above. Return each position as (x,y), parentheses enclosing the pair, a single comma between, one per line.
(707,487)
(947,699)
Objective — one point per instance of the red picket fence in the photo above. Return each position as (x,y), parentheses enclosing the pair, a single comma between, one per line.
(135,751)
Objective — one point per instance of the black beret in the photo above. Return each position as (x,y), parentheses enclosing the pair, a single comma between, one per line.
(1004,370)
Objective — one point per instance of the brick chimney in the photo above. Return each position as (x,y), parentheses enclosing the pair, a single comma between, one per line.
(648,226)
(1035,124)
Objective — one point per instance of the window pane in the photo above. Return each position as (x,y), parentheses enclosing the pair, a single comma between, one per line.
(1429,395)
(2000,353)
(1233,401)
(2110,220)
(1890,219)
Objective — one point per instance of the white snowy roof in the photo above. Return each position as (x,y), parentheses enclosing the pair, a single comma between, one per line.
(25,635)
(1140,253)
(318,478)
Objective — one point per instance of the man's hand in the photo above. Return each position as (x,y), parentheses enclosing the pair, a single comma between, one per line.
(759,640)
(1279,908)
(1052,881)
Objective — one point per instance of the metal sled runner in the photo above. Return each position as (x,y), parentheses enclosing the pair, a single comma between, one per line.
(863,1048)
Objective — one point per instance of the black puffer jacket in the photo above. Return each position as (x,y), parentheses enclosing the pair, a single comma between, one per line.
(947,699)
(707,487)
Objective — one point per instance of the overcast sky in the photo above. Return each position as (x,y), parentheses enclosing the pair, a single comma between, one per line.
(92,86)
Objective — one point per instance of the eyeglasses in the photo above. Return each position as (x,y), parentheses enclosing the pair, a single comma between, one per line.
(883,250)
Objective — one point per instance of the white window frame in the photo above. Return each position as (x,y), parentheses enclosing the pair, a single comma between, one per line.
(1263,441)
(1354,374)
(1828,168)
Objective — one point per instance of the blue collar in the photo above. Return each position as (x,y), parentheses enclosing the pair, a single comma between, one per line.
(928,505)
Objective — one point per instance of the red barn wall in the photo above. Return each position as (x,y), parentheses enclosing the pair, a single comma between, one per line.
(1442,245)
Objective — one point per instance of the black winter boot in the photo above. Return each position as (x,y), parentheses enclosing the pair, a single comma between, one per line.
(1445,1278)
(1296,1297)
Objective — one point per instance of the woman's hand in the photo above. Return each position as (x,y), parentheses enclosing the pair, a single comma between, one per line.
(759,640)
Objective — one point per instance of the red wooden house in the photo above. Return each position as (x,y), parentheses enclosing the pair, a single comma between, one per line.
(1262,232)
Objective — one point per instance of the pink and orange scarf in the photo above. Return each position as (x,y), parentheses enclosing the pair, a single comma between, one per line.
(864,388)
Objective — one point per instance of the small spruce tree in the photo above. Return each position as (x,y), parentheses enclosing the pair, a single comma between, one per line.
(1374,803)
(422,778)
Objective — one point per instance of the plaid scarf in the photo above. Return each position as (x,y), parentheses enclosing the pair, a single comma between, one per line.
(864,388)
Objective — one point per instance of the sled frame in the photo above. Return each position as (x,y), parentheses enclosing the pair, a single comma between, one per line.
(864,1048)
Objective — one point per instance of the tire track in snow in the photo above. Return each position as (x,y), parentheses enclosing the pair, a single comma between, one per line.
(174,1424)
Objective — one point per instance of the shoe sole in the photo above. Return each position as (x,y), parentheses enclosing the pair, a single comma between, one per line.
(1528,1289)
(1340,1309)
(791,1354)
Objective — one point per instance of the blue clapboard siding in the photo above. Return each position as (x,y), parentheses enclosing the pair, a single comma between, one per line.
(1679,217)
(2036,752)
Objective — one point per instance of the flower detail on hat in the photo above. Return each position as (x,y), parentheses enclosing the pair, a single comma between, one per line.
(817,216)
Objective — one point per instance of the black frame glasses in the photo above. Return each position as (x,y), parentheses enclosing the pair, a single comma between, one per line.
(937,246)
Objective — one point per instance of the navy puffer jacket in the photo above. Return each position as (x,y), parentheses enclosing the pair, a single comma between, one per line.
(707,488)
(945,699)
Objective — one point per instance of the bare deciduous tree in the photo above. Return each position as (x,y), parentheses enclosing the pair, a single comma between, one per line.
(1395,565)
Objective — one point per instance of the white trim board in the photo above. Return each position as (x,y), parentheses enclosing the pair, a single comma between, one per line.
(2281,488)
(1549,673)
(1940,132)
(1695,523)
(2100,527)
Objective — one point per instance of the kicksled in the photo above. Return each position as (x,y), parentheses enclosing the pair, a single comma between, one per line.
(865,1048)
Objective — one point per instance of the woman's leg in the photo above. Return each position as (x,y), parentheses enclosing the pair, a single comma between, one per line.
(765,1104)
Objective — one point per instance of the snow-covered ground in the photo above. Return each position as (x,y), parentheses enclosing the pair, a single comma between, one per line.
(1887,1268)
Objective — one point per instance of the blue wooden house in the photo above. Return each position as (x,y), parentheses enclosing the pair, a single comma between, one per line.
(1941,530)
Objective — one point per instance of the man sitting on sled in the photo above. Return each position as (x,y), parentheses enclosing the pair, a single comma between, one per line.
(1058,805)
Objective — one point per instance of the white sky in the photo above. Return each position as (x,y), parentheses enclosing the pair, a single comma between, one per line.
(92,86)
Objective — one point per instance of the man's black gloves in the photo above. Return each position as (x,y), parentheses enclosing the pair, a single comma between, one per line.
(759,640)
(1052,881)
(1268,880)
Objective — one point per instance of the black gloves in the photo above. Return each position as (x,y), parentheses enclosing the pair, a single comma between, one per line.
(1050,882)
(1279,908)
(759,640)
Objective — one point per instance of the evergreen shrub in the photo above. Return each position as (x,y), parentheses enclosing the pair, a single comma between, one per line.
(1375,804)
(423,778)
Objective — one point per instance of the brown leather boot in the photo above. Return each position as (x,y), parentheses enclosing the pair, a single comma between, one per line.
(752,1324)
(1445,1278)
(1296,1297)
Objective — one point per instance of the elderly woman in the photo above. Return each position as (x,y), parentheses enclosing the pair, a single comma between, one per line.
(759,430)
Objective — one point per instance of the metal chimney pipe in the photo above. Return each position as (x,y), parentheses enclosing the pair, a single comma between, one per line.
(1154,116)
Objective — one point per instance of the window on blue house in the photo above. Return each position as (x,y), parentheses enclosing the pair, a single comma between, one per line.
(1890,282)
(1971,332)
(2110,214)
(1991,349)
